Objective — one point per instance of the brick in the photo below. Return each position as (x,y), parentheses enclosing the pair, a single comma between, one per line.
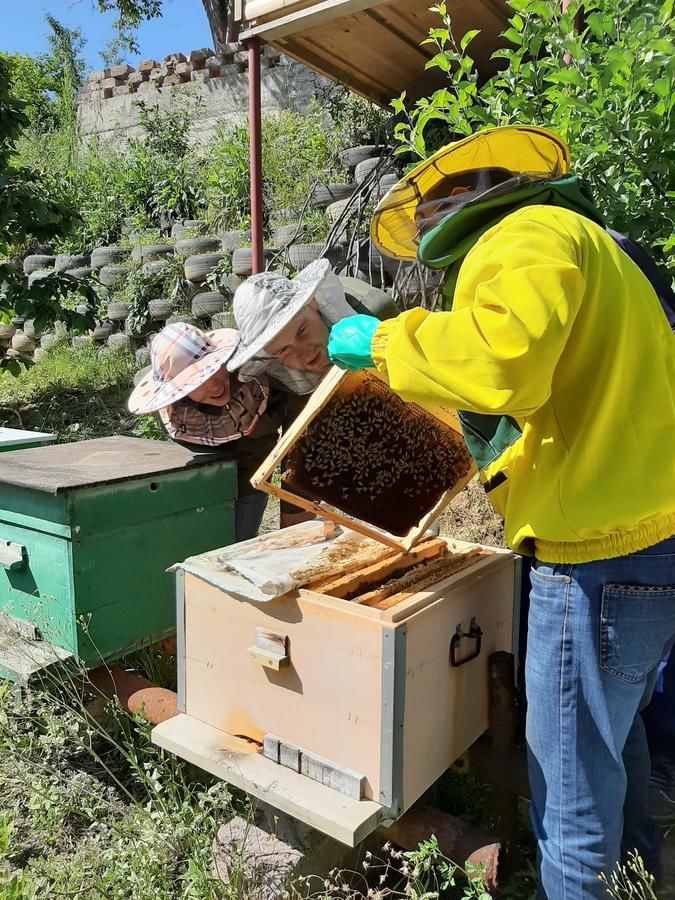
(108,92)
(166,69)
(157,76)
(173,80)
(121,89)
(199,56)
(146,86)
(148,65)
(174,58)
(99,76)
(200,75)
(183,68)
(108,84)
(121,71)
(240,59)
(138,77)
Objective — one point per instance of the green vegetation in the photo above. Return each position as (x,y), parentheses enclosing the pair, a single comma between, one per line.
(608,89)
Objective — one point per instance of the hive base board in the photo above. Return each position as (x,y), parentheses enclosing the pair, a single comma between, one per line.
(22,658)
(239,763)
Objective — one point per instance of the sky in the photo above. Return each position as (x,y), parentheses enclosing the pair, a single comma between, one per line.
(183,27)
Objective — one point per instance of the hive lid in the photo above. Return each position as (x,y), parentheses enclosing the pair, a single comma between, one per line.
(15,437)
(359,455)
(58,468)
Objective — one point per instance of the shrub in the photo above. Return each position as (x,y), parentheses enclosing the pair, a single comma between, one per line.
(607,89)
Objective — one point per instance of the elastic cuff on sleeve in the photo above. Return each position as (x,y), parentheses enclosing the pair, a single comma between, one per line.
(378,345)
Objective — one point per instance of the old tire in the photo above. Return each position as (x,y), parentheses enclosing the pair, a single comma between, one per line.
(118,341)
(81,340)
(106,256)
(352,156)
(207,304)
(38,275)
(160,310)
(325,194)
(66,261)
(301,255)
(29,330)
(186,318)
(223,319)
(368,166)
(335,210)
(196,245)
(117,312)
(38,261)
(155,266)
(229,284)
(142,357)
(196,268)
(231,240)
(22,343)
(80,272)
(113,274)
(102,331)
(287,234)
(48,340)
(152,252)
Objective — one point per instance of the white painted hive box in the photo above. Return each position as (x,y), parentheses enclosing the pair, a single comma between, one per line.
(370,697)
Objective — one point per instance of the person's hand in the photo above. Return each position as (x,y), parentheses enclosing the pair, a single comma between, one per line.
(349,342)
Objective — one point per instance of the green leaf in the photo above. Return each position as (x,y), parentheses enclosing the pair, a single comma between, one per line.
(468,37)
(512,35)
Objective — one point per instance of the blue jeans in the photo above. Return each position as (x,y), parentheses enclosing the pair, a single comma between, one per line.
(248,512)
(596,635)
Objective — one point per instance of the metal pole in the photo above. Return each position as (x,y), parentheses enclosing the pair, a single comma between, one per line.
(255,154)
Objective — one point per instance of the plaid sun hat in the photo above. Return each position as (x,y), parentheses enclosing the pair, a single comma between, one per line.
(182,358)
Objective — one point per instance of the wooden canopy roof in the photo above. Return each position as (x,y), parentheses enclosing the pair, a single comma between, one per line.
(373,47)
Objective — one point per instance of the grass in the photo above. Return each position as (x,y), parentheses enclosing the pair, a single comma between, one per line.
(76,393)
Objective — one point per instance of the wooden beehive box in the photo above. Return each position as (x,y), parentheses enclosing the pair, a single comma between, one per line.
(341,702)
(87,531)
(362,457)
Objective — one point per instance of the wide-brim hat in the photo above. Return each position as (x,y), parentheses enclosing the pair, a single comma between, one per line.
(182,359)
(264,304)
(516,148)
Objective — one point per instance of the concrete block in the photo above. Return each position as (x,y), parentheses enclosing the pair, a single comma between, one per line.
(107,92)
(289,756)
(95,77)
(148,65)
(108,83)
(200,56)
(269,851)
(137,78)
(166,69)
(173,80)
(200,75)
(183,68)
(240,58)
(339,778)
(121,89)
(157,77)
(146,87)
(173,58)
(121,71)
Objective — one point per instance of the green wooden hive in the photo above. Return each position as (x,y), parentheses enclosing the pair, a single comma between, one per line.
(87,531)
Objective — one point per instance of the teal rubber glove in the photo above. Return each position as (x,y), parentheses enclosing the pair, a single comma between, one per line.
(349,342)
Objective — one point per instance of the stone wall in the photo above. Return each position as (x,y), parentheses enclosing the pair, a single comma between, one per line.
(216,85)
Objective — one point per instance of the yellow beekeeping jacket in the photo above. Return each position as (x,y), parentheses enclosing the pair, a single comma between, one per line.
(559,353)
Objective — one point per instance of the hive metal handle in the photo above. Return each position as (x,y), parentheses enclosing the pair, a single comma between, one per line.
(474,633)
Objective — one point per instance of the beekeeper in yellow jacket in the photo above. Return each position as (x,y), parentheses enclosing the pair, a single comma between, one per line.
(557,355)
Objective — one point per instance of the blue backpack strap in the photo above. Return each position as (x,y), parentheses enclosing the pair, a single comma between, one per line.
(648,268)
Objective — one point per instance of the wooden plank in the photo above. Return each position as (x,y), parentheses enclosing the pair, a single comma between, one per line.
(409,583)
(450,567)
(301,19)
(466,577)
(238,763)
(349,583)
